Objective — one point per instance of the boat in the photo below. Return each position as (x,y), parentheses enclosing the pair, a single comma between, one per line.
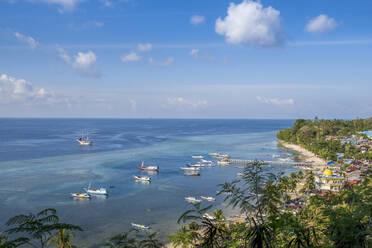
(195,165)
(197,156)
(80,195)
(276,156)
(192,173)
(208,216)
(84,140)
(192,199)
(148,168)
(139,226)
(221,156)
(214,154)
(206,162)
(93,191)
(208,198)
(224,162)
(190,168)
(144,178)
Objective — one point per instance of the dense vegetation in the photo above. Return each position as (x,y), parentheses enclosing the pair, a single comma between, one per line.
(312,135)
(335,220)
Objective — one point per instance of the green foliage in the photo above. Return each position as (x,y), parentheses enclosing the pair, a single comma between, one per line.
(39,227)
(312,136)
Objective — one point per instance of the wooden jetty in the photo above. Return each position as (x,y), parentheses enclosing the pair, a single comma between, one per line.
(247,161)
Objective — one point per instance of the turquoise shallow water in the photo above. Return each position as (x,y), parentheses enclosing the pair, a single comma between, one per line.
(40,169)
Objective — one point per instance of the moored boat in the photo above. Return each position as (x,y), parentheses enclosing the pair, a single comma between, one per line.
(84,140)
(192,199)
(190,168)
(93,191)
(192,173)
(148,168)
(197,156)
(139,226)
(208,198)
(144,178)
(80,195)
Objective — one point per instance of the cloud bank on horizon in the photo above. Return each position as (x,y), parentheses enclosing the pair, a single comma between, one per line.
(135,58)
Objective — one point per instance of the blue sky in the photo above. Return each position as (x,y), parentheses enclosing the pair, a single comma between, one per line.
(185,59)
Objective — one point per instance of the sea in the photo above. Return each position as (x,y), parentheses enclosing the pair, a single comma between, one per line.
(41,164)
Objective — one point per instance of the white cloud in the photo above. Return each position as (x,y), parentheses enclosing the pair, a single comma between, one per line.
(130,57)
(197,19)
(182,102)
(194,52)
(251,24)
(321,23)
(63,55)
(144,47)
(13,90)
(84,60)
(27,39)
(167,62)
(275,101)
(84,63)
(67,5)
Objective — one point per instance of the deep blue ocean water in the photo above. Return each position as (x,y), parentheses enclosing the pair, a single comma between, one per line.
(41,164)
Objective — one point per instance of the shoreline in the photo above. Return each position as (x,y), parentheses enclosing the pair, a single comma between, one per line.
(310,157)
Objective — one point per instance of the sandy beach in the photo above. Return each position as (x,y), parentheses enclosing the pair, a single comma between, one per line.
(309,156)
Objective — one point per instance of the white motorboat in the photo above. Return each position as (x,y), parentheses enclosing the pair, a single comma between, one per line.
(208,198)
(190,168)
(144,178)
(192,199)
(197,156)
(93,191)
(80,195)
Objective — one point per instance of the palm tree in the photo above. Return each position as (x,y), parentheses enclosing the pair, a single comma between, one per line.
(62,239)
(39,227)
(150,242)
(121,241)
(5,243)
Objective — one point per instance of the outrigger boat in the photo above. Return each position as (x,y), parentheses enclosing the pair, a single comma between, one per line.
(80,195)
(148,168)
(208,198)
(139,226)
(206,162)
(190,168)
(145,179)
(93,191)
(191,199)
(192,173)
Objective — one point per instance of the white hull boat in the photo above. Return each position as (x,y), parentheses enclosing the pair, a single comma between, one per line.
(191,199)
(190,168)
(80,195)
(148,168)
(144,179)
(208,198)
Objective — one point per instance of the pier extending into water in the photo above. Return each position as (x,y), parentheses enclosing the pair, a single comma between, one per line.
(246,161)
